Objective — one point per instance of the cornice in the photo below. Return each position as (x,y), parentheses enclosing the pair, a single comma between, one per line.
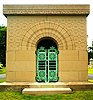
(45,9)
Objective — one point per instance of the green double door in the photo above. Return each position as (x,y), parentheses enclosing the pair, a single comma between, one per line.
(47,65)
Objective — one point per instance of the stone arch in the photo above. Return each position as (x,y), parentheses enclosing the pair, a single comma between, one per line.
(47,29)
(47,42)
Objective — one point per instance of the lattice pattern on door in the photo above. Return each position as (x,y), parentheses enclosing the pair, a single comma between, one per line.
(47,65)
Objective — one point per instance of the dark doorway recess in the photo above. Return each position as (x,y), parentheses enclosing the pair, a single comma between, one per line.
(47,43)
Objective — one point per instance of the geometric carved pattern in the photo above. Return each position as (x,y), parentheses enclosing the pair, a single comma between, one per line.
(68,31)
(46,9)
(47,29)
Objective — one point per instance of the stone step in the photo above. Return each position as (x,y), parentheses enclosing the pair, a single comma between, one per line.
(48,85)
(46,91)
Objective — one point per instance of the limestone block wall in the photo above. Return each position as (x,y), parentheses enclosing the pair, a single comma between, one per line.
(23,34)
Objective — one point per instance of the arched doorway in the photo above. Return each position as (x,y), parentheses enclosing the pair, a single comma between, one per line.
(47,60)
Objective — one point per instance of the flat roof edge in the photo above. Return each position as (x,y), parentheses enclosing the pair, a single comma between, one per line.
(45,9)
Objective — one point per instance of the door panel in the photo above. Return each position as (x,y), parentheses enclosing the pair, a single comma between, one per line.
(52,65)
(47,65)
(41,65)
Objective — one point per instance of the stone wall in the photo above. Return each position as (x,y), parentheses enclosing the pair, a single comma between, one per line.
(25,30)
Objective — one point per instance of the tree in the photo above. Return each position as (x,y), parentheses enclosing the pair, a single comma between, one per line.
(90,53)
(3,45)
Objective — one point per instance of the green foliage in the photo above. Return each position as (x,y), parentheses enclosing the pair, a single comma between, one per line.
(2,80)
(80,95)
(90,70)
(1,66)
(3,44)
(90,81)
(90,53)
(3,70)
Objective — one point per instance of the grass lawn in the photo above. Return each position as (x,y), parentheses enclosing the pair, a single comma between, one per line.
(90,70)
(79,95)
(3,70)
(2,80)
(90,81)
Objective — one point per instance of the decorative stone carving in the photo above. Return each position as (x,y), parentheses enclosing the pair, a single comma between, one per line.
(46,9)
(28,25)
(47,29)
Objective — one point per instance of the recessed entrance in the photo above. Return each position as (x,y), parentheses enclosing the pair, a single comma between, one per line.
(47,61)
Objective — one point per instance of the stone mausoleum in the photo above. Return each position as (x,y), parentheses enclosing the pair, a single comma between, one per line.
(46,43)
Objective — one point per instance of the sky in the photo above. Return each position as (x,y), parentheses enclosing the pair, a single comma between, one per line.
(3,20)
